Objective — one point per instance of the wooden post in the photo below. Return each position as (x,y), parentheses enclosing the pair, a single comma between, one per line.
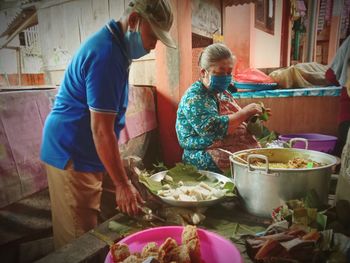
(285,35)
(334,34)
(19,66)
(311,30)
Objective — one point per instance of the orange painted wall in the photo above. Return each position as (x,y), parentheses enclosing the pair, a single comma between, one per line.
(173,77)
(237,32)
(252,47)
(26,79)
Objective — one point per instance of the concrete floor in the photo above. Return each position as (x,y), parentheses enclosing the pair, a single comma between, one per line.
(26,229)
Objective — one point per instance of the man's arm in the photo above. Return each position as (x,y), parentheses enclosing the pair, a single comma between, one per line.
(106,143)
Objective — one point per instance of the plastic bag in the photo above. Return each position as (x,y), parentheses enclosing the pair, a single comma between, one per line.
(252,75)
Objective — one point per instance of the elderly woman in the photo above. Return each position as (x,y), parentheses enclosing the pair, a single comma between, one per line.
(208,118)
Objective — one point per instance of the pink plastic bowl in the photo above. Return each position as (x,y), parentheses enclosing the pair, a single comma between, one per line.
(214,248)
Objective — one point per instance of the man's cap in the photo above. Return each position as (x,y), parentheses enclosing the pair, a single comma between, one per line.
(159,15)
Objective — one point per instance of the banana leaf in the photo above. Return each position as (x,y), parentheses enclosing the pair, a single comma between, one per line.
(189,175)
(264,116)
(255,128)
(185,173)
(160,166)
(312,200)
(118,227)
(240,230)
(152,185)
(307,211)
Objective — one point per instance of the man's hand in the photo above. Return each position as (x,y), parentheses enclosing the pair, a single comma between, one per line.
(102,127)
(128,198)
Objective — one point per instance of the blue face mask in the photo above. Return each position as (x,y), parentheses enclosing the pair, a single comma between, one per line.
(219,83)
(134,44)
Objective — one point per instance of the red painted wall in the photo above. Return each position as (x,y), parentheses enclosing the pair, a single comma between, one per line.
(173,77)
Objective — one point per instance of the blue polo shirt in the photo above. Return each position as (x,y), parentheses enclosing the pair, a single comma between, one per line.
(97,80)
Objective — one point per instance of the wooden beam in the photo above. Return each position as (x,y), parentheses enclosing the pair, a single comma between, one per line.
(19,30)
(311,30)
(19,66)
(334,34)
(51,3)
(285,35)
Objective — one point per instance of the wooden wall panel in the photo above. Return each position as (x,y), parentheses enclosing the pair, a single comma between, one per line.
(65,26)
(116,8)
(301,114)
(44,19)
(142,72)
(93,15)
(70,22)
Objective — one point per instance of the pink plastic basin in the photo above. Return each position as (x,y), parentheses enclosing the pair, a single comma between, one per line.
(317,142)
(214,248)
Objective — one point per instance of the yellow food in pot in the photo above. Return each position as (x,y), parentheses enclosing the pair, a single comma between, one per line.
(295,163)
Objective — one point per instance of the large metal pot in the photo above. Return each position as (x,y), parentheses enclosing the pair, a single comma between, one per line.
(263,189)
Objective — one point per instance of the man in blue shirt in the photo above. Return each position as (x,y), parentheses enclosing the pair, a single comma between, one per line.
(80,137)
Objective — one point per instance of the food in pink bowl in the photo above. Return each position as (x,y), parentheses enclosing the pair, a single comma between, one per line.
(174,244)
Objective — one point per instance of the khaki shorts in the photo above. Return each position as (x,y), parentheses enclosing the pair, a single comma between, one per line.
(75,202)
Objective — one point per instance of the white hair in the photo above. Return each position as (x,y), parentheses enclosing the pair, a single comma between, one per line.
(213,54)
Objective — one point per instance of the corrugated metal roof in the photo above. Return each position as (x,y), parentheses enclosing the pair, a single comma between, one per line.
(19,19)
(238,2)
(6,4)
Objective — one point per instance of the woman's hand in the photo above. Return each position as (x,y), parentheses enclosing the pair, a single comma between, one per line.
(128,198)
(252,109)
(268,111)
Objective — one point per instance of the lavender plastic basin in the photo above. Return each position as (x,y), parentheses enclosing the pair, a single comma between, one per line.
(317,142)
(214,248)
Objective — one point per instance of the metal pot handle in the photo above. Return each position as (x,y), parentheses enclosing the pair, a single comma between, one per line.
(259,156)
(291,141)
